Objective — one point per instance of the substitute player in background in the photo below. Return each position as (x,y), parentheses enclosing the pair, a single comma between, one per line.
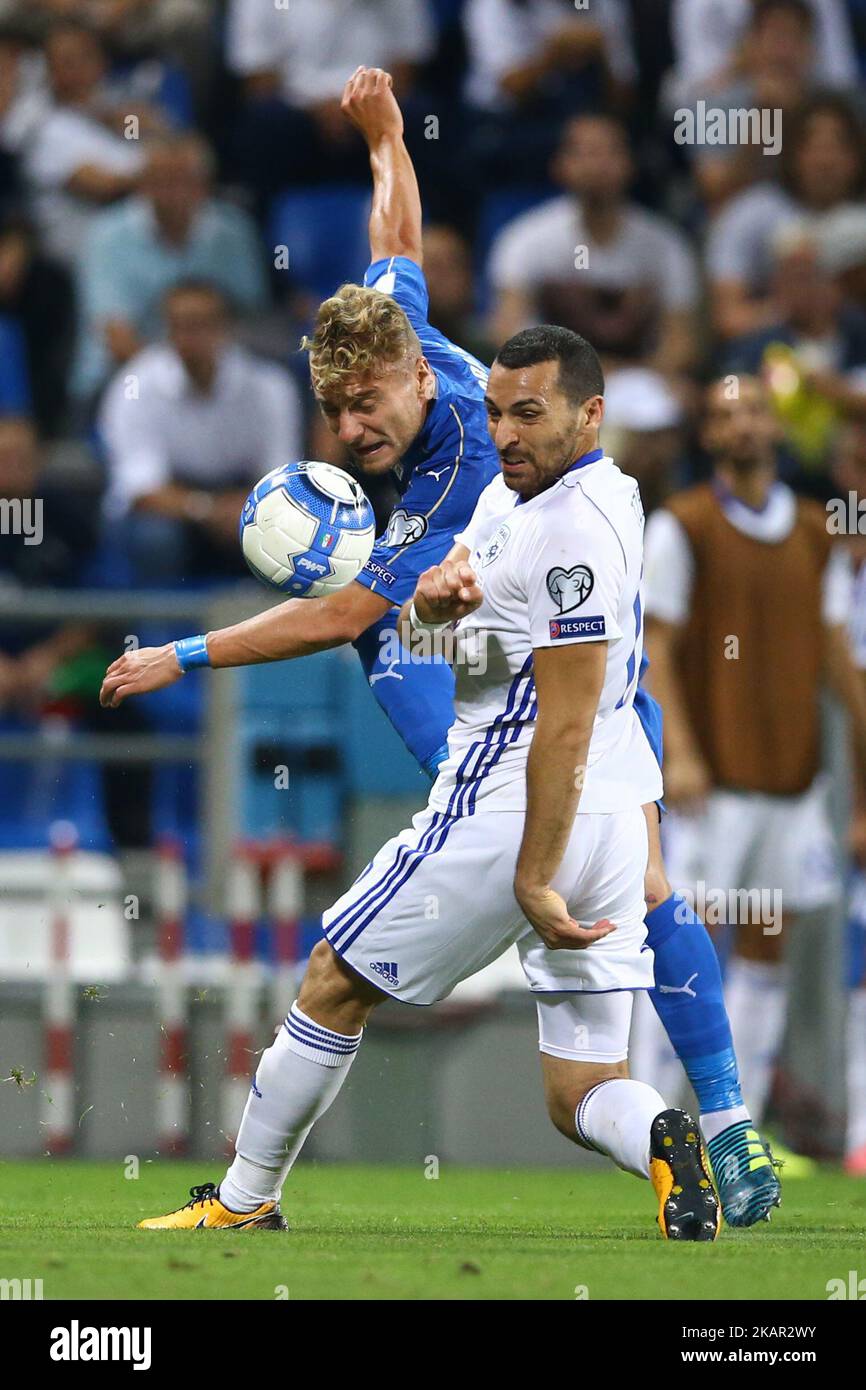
(849,473)
(403,398)
(534,830)
(741,557)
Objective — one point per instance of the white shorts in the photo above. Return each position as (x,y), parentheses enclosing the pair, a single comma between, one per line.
(585,1027)
(437,904)
(746,840)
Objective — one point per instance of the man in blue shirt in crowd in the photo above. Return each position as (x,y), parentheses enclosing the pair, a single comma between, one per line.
(405,400)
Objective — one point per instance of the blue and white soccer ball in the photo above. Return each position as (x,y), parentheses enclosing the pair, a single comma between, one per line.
(307,529)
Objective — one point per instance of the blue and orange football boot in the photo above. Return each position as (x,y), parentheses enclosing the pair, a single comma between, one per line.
(745,1170)
(688,1206)
(206,1212)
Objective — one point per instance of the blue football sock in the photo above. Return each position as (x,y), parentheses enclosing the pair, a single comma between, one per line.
(688,999)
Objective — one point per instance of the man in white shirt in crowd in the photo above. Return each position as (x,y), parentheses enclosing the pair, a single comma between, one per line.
(294,61)
(707,36)
(174,230)
(82,154)
(598,263)
(188,426)
(518,46)
(532,65)
(822,171)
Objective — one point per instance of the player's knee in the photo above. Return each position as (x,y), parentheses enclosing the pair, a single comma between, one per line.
(330,985)
(565,1093)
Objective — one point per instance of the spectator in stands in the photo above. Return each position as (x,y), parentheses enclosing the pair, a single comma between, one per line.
(294,62)
(24,95)
(187,427)
(644,423)
(843,251)
(159,48)
(710,39)
(823,165)
(36,294)
(592,260)
(158,41)
(773,75)
(173,230)
(448,271)
(849,475)
(78,158)
(532,64)
(812,359)
(739,567)
(52,539)
(49,668)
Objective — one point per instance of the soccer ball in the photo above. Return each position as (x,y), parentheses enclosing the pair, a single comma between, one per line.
(307,529)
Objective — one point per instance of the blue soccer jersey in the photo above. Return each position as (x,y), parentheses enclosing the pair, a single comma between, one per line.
(451,461)
(440,478)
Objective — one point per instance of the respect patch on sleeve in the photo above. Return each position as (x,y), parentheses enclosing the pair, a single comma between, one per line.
(376,571)
(563,629)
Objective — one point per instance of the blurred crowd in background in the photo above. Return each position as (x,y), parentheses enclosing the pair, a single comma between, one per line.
(178,189)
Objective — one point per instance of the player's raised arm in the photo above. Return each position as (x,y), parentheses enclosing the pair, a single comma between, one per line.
(295,628)
(395,217)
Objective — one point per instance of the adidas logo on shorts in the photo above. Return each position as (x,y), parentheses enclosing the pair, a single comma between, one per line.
(387,969)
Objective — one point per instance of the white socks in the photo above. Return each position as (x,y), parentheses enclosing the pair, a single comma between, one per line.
(615,1118)
(856,1134)
(296,1080)
(717,1121)
(756,993)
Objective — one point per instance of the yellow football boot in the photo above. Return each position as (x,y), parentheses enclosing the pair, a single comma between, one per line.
(206,1212)
(688,1206)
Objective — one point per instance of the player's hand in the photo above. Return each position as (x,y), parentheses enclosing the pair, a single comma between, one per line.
(447,592)
(687,782)
(136,673)
(370,104)
(546,911)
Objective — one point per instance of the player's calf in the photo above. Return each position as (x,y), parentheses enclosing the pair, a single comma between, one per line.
(333,994)
(592,1101)
(297,1079)
(566,1083)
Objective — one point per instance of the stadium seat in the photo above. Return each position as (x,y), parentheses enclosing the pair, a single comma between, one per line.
(325,231)
(291,716)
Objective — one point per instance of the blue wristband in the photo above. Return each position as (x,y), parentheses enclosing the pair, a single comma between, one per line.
(192,651)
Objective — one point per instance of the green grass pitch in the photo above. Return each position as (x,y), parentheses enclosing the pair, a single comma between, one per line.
(390,1233)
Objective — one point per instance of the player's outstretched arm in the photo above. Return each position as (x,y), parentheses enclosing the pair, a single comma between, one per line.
(395,217)
(568,685)
(298,627)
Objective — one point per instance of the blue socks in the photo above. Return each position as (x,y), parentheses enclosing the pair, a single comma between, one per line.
(688,999)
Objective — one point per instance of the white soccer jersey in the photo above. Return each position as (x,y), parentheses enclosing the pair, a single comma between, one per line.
(560,568)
